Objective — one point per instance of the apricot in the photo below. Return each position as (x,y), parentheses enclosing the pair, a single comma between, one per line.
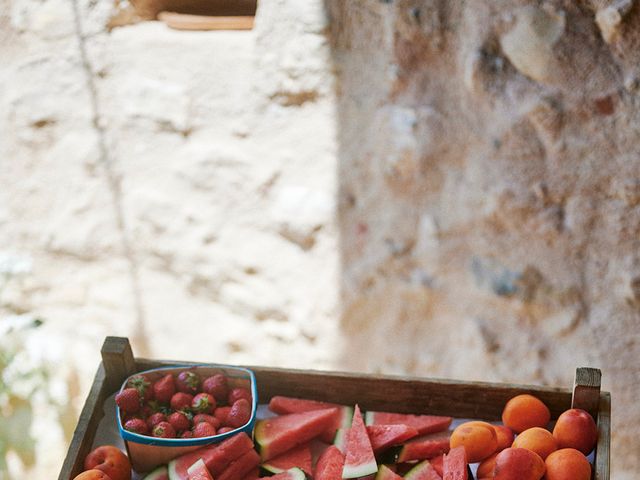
(111,460)
(478,439)
(567,464)
(505,436)
(92,475)
(487,467)
(518,464)
(537,440)
(525,411)
(575,428)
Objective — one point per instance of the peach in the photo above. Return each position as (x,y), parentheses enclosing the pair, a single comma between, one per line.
(525,411)
(505,436)
(111,460)
(518,464)
(487,467)
(575,428)
(478,439)
(567,464)
(92,475)
(537,440)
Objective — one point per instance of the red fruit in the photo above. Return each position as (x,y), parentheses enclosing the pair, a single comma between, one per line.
(146,411)
(225,430)
(164,389)
(188,382)
(128,400)
(239,414)
(221,414)
(186,434)
(181,401)
(111,460)
(203,429)
(155,419)
(164,430)
(203,417)
(142,385)
(179,421)
(203,403)
(216,386)
(137,425)
(238,393)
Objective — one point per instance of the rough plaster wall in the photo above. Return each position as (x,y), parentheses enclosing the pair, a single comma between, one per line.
(489,203)
(174,187)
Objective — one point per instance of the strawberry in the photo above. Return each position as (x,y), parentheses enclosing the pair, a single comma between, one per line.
(203,417)
(239,414)
(221,414)
(142,385)
(203,403)
(225,430)
(203,429)
(181,401)
(164,430)
(179,421)
(146,411)
(137,425)
(216,386)
(164,388)
(188,382)
(186,434)
(238,393)
(155,419)
(128,400)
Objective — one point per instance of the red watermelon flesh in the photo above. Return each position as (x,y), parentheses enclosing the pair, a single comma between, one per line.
(423,471)
(252,475)
(279,434)
(296,457)
(329,465)
(241,466)
(285,405)
(455,465)
(291,474)
(424,447)
(383,436)
(385,473)
(359,458)
(423,423)
(438,464)
(216,457)
(198,471)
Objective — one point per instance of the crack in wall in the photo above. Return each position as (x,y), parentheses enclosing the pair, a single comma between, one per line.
(139,336)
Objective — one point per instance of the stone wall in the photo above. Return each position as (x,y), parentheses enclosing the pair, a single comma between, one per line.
(489,197)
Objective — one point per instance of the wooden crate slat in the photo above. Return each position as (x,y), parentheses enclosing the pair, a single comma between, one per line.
(603,448)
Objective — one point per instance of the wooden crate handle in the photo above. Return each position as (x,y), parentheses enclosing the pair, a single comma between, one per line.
(586,390)
(118,361)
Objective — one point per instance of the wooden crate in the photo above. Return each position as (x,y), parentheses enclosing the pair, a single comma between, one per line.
(481,400)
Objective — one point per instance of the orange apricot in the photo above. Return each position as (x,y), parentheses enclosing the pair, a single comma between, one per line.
(487,467)
(505,436)
(111,460)
(575,428)
(92,475)
(567,464)
(537,440)
(525,411)
(479,441)
(518,464)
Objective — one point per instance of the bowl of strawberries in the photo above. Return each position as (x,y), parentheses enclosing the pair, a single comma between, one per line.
(165,412)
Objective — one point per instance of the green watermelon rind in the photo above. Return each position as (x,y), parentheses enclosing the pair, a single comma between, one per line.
(160,473)
(271,469)
(383,473)
(340,440)
(198,465)
(417,470)
(369,418)
(346,416)
(296,474)
(362,470)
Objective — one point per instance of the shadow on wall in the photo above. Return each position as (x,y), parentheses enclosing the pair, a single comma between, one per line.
(489,197)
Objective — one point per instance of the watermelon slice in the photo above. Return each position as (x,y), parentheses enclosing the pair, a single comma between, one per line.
(422,448)
(423,471)
(216,457)
(385,473)
(437,463)
(296,457)
(340,440)
(160,473)
(329,465)
(455,465)
(252,475)
(285,405)
(291,474)
(279,434)
(241,466)
(359,458)
(198,471)
(383,436)
(422,423)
